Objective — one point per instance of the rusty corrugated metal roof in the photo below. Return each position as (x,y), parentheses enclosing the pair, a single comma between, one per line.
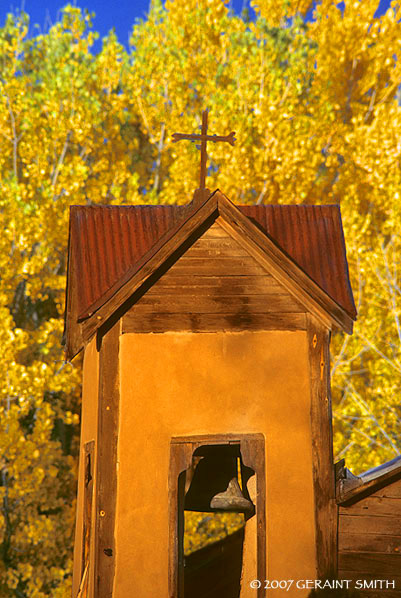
(107,241)
(313,237)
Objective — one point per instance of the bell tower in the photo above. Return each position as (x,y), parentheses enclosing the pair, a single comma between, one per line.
(205,330)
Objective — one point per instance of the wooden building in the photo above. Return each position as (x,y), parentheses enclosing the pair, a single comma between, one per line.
(369,540)
(205,330)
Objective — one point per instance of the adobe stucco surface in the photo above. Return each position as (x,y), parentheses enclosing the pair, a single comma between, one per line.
(185,384)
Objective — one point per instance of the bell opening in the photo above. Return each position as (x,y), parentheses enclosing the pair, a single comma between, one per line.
(215,508)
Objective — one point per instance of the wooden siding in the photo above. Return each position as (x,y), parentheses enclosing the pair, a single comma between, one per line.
(370,540)
(215,285)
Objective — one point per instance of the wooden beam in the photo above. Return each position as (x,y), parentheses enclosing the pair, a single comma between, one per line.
(179,322)
(322,448)
(216,304)
(106,480)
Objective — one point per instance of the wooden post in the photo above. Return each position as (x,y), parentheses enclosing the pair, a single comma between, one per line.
(322,449)
(108,412)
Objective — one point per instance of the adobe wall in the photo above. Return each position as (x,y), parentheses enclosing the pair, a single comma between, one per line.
(89,419)
(185,384)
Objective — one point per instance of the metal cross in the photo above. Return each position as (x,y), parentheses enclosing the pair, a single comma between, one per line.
(204,138)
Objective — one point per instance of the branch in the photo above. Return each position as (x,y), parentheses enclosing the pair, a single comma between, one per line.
(145,120)
(363,405)
(15,137)
(160,146)
(262,194)
(391,290)
(344,450)
(371,105)
(373,346)
(60,161)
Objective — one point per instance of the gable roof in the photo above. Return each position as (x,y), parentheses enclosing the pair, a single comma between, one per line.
(109,245)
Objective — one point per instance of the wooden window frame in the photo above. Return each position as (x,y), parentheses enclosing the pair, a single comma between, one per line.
(252,448)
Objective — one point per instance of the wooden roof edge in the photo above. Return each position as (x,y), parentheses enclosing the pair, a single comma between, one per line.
(346,259)
(72,338)
(337,314)
(351,489)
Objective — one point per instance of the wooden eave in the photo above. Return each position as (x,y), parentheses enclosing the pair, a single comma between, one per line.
(371,481)
(170,247)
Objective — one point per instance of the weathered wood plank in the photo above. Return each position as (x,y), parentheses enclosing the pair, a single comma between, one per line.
(216,267)
(369,543)
(216,248)
(219,304)
(203,252)
(212,290)
(258,284)
(374,505)
(322,448)
(108,412)
(160,322)
(216,231)
(391,491)
(206,242)
(89,457)
(368,524)
(260,279)
(385,565)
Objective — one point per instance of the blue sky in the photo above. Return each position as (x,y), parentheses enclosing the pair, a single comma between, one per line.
(120,14)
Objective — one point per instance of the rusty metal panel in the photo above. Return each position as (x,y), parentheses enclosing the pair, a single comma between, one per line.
(313,237)
(108,241)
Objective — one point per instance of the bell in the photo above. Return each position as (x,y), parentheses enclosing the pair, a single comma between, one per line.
(231,499)
(214,486)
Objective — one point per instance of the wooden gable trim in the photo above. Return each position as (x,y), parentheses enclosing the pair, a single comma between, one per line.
(72,337)
(164,254)
(263,248)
